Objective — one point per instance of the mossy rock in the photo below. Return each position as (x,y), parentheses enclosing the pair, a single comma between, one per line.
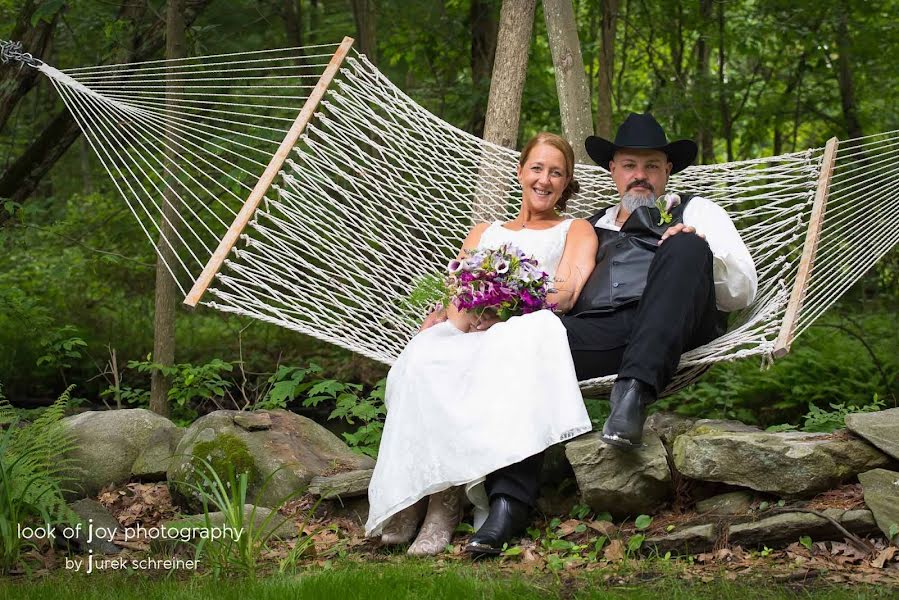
(226,455)
(280,458)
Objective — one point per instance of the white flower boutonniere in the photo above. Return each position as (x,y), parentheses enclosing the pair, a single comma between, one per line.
(665,204)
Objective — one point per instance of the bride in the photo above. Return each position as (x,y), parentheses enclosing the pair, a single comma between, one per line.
(469,396)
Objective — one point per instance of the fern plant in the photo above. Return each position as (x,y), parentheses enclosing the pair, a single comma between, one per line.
(32,475)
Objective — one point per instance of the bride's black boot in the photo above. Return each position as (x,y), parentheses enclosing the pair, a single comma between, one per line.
(507,518)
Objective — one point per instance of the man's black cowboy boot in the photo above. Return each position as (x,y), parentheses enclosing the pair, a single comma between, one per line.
(507,518)
(629,399)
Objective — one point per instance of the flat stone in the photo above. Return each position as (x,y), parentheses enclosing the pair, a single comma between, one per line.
(785,528)
(690,540)
(669,425)
(253,421)
(724,425)
(880,428)
(343,485)
(623,483)
(732,503)
(881,488)
(792,464)
(94,518)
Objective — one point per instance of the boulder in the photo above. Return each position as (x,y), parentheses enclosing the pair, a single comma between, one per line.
(786,528)
(731,503)
(343,485)
(280,453)
(881,489)
(880,428)
(785,463)
(107,444)
(154,460)
(623,483)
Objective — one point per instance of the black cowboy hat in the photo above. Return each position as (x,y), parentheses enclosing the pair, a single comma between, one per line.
(642,131)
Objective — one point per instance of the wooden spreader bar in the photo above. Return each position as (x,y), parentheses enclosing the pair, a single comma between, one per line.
(816,220)
(268,176)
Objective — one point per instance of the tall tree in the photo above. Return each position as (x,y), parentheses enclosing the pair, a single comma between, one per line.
(703,91)
(516,23)
(571,78)
(844,74)
(483,26)
(292,11)
(166,287)
(365,13)
(606,68)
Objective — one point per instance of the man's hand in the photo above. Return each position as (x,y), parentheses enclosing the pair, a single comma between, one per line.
(437,316)
(679,228)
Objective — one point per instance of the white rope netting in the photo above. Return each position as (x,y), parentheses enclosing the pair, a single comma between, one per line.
(378,193)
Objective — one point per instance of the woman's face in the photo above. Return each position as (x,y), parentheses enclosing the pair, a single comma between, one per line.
(543,177)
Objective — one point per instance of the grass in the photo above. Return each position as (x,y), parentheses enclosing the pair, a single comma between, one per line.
(416,579)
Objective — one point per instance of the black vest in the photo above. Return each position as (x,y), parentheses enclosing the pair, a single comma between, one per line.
(623,258)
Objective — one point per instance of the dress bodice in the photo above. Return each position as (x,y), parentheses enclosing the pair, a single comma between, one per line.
(546,245)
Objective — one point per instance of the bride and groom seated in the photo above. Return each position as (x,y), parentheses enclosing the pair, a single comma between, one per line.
(473,403)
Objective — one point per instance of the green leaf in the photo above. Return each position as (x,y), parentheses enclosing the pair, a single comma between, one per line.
(513,551)
(642,522)
(894,531)
(806,541)
(634,543)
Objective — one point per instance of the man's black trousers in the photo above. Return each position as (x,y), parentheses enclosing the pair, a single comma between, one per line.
(643,341)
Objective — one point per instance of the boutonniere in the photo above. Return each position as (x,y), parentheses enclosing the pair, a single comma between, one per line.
(665,204)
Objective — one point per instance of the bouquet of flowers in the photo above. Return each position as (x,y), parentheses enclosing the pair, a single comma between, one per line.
(504,280)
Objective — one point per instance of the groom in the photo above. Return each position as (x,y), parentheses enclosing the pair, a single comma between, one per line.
(665,276)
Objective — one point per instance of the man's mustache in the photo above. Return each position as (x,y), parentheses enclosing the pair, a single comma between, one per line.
(641,182)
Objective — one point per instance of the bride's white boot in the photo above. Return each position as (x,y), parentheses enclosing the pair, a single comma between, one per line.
(444,513)
(402,526)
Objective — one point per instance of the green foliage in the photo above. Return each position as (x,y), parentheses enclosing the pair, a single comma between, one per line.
(32,474)
(61,348)
(821,420)
(287,384)
(189,383)
(642,522)
(351,405)
(228,494)
(429,290)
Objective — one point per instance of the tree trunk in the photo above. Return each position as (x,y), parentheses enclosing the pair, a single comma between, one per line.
(704,83)
(844,74)
(483,26)
(516,23)
(17,80)
(166,287)
(571,78)
(727,122)
(293,22)
(606,69)
(22,177)
(365,13)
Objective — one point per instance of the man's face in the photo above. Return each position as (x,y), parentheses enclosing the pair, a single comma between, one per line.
(640,172)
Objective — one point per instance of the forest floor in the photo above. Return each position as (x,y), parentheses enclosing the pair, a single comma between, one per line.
(560,558)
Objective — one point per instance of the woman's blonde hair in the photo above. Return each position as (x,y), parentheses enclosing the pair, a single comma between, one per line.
(562,145)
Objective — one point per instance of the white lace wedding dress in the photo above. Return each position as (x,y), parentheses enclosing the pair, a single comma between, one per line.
(462,405)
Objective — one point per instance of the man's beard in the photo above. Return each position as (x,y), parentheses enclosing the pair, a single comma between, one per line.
(631,201)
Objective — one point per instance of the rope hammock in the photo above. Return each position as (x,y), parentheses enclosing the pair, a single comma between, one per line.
(376,193)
